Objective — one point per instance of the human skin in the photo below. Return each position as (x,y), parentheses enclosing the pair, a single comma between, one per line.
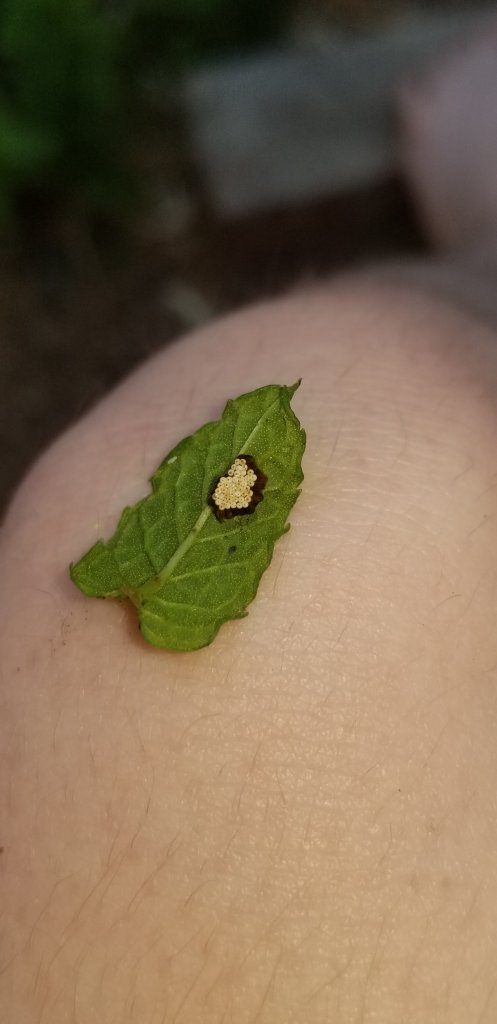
(297,823)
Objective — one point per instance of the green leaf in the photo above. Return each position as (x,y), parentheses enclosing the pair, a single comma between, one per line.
(187,564)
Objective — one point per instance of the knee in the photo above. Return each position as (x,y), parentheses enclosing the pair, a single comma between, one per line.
(317,745)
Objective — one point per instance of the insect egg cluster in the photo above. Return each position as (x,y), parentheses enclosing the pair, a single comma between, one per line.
(238,492)
(236,488)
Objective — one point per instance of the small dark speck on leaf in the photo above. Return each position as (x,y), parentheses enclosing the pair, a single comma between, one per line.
(232,549)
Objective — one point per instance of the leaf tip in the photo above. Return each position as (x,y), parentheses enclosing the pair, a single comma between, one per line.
(292,388)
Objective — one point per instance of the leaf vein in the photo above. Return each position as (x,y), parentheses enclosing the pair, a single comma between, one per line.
(221,567)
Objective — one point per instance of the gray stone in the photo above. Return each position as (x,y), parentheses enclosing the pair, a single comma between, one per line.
(291,126)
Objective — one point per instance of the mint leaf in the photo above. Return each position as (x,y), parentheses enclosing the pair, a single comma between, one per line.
(191,554)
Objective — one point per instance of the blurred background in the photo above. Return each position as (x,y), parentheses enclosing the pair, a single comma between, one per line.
(165,161)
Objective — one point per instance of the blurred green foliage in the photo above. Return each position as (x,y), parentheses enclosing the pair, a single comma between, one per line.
(61,104)
(173,34)
(69,70)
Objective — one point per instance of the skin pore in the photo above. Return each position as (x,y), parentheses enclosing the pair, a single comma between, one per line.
(298,823)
